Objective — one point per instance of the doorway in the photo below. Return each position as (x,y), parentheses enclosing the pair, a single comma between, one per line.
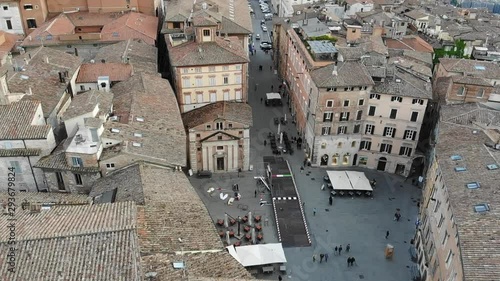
(382,162)
(400,169)
(324,160)
(220,164)
(354,159)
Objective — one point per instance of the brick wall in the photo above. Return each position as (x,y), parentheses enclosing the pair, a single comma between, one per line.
(470,95)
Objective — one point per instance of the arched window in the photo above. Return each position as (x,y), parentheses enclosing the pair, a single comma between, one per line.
(353,144)
(339,145)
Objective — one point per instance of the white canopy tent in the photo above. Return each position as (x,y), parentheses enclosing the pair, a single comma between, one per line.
(349,180)
(273,96)
(258,254)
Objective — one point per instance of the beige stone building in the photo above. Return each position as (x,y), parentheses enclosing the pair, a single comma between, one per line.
(207,47)
(458,220)
(148,7)
(219,136)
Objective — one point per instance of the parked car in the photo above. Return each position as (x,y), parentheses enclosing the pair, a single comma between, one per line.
(266,11)
(266,45)
(264,28)
(257,36)
(262,22)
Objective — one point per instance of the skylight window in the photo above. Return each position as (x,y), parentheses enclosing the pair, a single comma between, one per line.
(116,34)
(492,167)
(473,185)
(479,67)
(138,135)
(114,130)
(460,169)
(137,144)
(481,208)
(178,265)
(456,157)
(139,119)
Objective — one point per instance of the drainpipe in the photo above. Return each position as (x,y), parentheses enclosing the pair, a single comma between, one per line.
(31,167)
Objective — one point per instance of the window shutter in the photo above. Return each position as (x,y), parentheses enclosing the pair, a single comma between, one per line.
(369,145)
(389,148)
(394,132)
(414,135)
(402,150)
(373,129)
(385,131)
(361,145)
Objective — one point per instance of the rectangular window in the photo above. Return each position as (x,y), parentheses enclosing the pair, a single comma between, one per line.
(359,114)
(16,166)
(5,8)
(9,24)
(327,116)
(414,116)
(325,131)
(480,93)
(369,129)
(77,161)
(78,179)
(386,148)
(342,130)
(186,83)
(237,79)
(225,80)
(199,82)
(110,165)
(417,101)
(199,97)
(213,97)
(197,70)
(365,145)
(187,99)
(220,147)
(225,67)
(393,114)
(396,99)
(371,111)
(410,135)
(219,125)
(406,151)
(361,102)
(461,91)
(211,68)
(60,182)
(237,67)
(177,25)
(226,95)
(28,7)
(329,103)
(206,32)
(389,132)
(31,23)
(374,96)
(185,70)
(356,129)
(346,103)
(212,81)
(344,116)
(237,93)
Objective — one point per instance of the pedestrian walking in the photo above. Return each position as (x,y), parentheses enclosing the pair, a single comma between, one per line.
(265,142)
(326,257)
(387,234)
(314,257)
(348,262)
(336,250)
(255,193)
(280,278)
(330,200)
(271,68)
(301,170)
(321,257)
(353,261)
(314,211)
(340,250)
(347,248)
(272,87)
(261,100)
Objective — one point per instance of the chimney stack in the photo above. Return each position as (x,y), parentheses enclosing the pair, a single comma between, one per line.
(61,77)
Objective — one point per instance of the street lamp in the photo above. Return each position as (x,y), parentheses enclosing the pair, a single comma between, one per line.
(239,222)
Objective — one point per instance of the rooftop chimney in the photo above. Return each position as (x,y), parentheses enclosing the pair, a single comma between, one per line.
(61,78)
(334,72)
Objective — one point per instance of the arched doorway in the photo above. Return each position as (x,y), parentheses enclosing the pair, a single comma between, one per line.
(354,159)
(324,160)
(382,162)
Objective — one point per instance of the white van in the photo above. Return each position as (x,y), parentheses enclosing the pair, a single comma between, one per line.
(268,16)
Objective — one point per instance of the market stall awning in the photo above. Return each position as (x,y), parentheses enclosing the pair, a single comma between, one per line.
(258,254)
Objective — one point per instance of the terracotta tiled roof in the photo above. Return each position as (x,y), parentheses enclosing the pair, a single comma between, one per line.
(95,241)
(127,181)
(413,43)
(479,250)
(7,42)
(221,51)
(470,80)
(17,121)
(87,101)
(231,111)
(89,72)
(415,14)
(48,198)
(39,78)
(131,26)
(115,27)
(483,69)
(200,266)
(404,84)
(349,74)
(20,152)
(57,161)
(141,56)
(151,98)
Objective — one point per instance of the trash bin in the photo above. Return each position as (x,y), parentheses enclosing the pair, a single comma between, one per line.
(389,251)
